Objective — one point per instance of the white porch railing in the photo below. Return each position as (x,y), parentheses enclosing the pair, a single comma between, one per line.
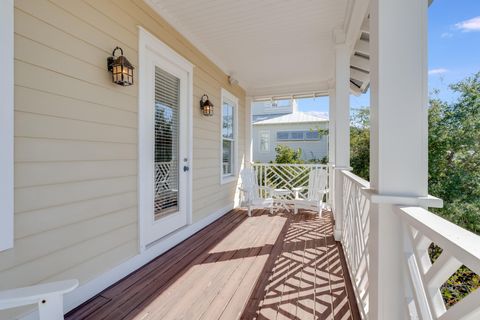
(356,223)
(459,247)
(423,279)
(285,176)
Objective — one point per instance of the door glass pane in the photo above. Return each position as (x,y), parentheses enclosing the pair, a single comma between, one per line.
(167,105)
(227,156)
(227,127)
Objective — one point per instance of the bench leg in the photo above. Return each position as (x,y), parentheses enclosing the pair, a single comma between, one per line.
(51,308)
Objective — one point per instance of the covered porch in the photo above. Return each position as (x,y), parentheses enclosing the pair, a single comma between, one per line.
(97,178)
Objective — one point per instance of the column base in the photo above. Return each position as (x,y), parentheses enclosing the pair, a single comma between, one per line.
(337,235)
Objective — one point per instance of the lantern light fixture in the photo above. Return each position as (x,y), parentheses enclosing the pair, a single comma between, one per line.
(206,106)
(121,68)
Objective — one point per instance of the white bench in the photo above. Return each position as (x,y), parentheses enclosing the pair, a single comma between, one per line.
(48,297)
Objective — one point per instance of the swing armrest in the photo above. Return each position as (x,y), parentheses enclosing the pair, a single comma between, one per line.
(35,294)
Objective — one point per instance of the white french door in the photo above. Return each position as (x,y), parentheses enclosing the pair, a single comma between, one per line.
(164,140)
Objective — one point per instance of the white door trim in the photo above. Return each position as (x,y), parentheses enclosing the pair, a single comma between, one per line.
(149,43)
(6,125)
(228,96)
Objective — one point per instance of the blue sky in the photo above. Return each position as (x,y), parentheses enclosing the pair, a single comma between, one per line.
(453,50)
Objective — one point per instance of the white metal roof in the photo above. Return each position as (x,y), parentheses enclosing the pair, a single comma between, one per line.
(296,117)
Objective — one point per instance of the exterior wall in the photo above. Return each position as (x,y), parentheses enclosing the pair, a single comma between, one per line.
(318,148)
(76,138)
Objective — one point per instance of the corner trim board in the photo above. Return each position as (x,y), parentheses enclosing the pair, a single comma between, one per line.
(6,125)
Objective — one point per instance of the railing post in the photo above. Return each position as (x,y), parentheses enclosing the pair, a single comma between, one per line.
(331,187)
(265,168)
(331,148)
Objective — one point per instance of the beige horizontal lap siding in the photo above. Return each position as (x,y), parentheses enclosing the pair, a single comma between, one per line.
(76,138)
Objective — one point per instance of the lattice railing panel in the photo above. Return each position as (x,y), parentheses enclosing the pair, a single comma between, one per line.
(459,247)
(356,221)
(285,176)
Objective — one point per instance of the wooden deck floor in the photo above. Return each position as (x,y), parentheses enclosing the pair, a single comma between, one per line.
(264,267)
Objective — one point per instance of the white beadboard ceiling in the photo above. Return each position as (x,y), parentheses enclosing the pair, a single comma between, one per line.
(270,46)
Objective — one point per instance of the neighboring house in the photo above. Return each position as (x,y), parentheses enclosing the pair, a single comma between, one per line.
(263,110)
(298,130)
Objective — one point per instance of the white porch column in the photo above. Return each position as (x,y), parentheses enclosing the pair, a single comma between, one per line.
(331,146)
(248,131)
(398,154)
(342,124)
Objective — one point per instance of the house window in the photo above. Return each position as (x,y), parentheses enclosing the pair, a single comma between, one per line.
(229,136)
(282,135)
(6,125)
(296,135)
(264,139)
(310,135)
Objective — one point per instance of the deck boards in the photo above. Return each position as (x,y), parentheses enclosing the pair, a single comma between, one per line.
(264,267)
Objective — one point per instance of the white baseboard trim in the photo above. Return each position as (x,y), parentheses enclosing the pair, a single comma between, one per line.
(100,283)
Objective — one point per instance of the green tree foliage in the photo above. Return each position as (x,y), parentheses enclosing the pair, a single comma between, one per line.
(360,142)
(454,170)
(285,154)
(454,154)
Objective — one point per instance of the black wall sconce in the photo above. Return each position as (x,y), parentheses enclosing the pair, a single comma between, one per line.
(206,106)
(121,69)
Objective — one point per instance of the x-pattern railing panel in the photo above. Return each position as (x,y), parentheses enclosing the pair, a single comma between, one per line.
(459,247)
(285,176)
(356,206)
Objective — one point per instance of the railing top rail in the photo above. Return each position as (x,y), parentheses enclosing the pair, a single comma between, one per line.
(290,164)
(461,243)
(364,183)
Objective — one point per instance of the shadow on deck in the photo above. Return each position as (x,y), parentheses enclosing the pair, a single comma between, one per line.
(265,267)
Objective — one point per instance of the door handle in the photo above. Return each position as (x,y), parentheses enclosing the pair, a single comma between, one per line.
(186,168)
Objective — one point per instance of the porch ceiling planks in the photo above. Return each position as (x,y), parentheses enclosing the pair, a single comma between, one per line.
(264,267)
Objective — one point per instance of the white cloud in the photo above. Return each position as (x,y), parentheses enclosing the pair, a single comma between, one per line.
(447,35)
(437,71)
(469,25)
